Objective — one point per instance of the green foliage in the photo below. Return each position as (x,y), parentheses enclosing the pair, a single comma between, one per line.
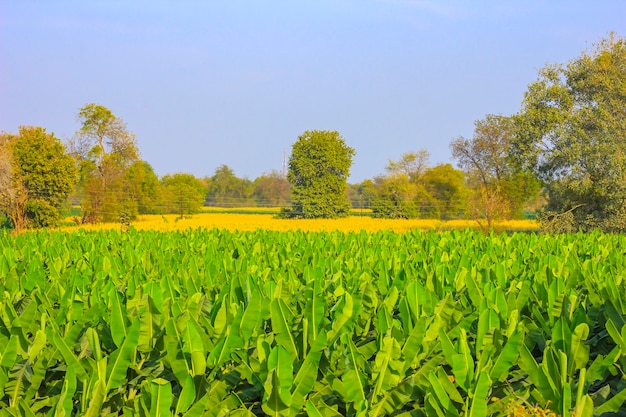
(401,193)
(500,188)
(363,194)
(411,164)
(225,189)
(447,187)
(105,151)
(290,324)
(272,190)
(142,185)
(412,189)
(41,213)
(319,167)
(571,132)
(184,193)
(102,133)
(395,198)
(42,172)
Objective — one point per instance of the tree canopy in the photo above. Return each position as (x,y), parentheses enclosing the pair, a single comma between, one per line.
(499,187)
(447,187)
(319,167)
(141,185)
(571,132)
(37,176)
(272,190)
(184,193)
(411,164)
(227,190)
(105,150)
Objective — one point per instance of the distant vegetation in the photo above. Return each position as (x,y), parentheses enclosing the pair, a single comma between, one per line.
(561,157)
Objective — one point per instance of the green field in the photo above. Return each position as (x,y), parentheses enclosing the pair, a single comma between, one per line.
(216,323)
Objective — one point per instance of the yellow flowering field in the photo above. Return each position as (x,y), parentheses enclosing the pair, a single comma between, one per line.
(249,222)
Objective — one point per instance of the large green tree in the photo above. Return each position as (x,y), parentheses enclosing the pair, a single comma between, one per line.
(319,167)
(38,175)
(105,150)
(571,132)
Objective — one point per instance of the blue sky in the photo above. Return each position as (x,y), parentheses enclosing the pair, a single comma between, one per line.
(205,83)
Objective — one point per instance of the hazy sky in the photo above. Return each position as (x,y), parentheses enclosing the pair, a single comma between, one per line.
(205,83)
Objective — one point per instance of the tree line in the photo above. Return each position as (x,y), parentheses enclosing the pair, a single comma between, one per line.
(563,153)
(100,171)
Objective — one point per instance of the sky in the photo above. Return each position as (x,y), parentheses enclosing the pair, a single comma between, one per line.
(206,83)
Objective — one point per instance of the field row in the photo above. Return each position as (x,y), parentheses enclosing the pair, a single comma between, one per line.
(249,222)
(215,323)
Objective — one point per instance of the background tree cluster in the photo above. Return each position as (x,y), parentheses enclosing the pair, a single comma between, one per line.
(564,150)
(100,172)
(565,147)
(412,188)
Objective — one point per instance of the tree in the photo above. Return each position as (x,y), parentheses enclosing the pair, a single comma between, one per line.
(447,187)
(395,198)
(571,132)
(401,193)
(411,164)
(13,196)
(361,195)
(105,150)
(37,177)
(319,167)
(225,189)
(142,185)
(499,188)
(272,190)
(184,193)
(367,193)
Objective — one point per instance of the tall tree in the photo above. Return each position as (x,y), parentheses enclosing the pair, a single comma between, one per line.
(571,132)
(42,175)
(499,188)
(105,150)
(319,167)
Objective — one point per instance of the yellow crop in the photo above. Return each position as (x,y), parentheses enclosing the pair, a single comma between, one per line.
(248,222)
